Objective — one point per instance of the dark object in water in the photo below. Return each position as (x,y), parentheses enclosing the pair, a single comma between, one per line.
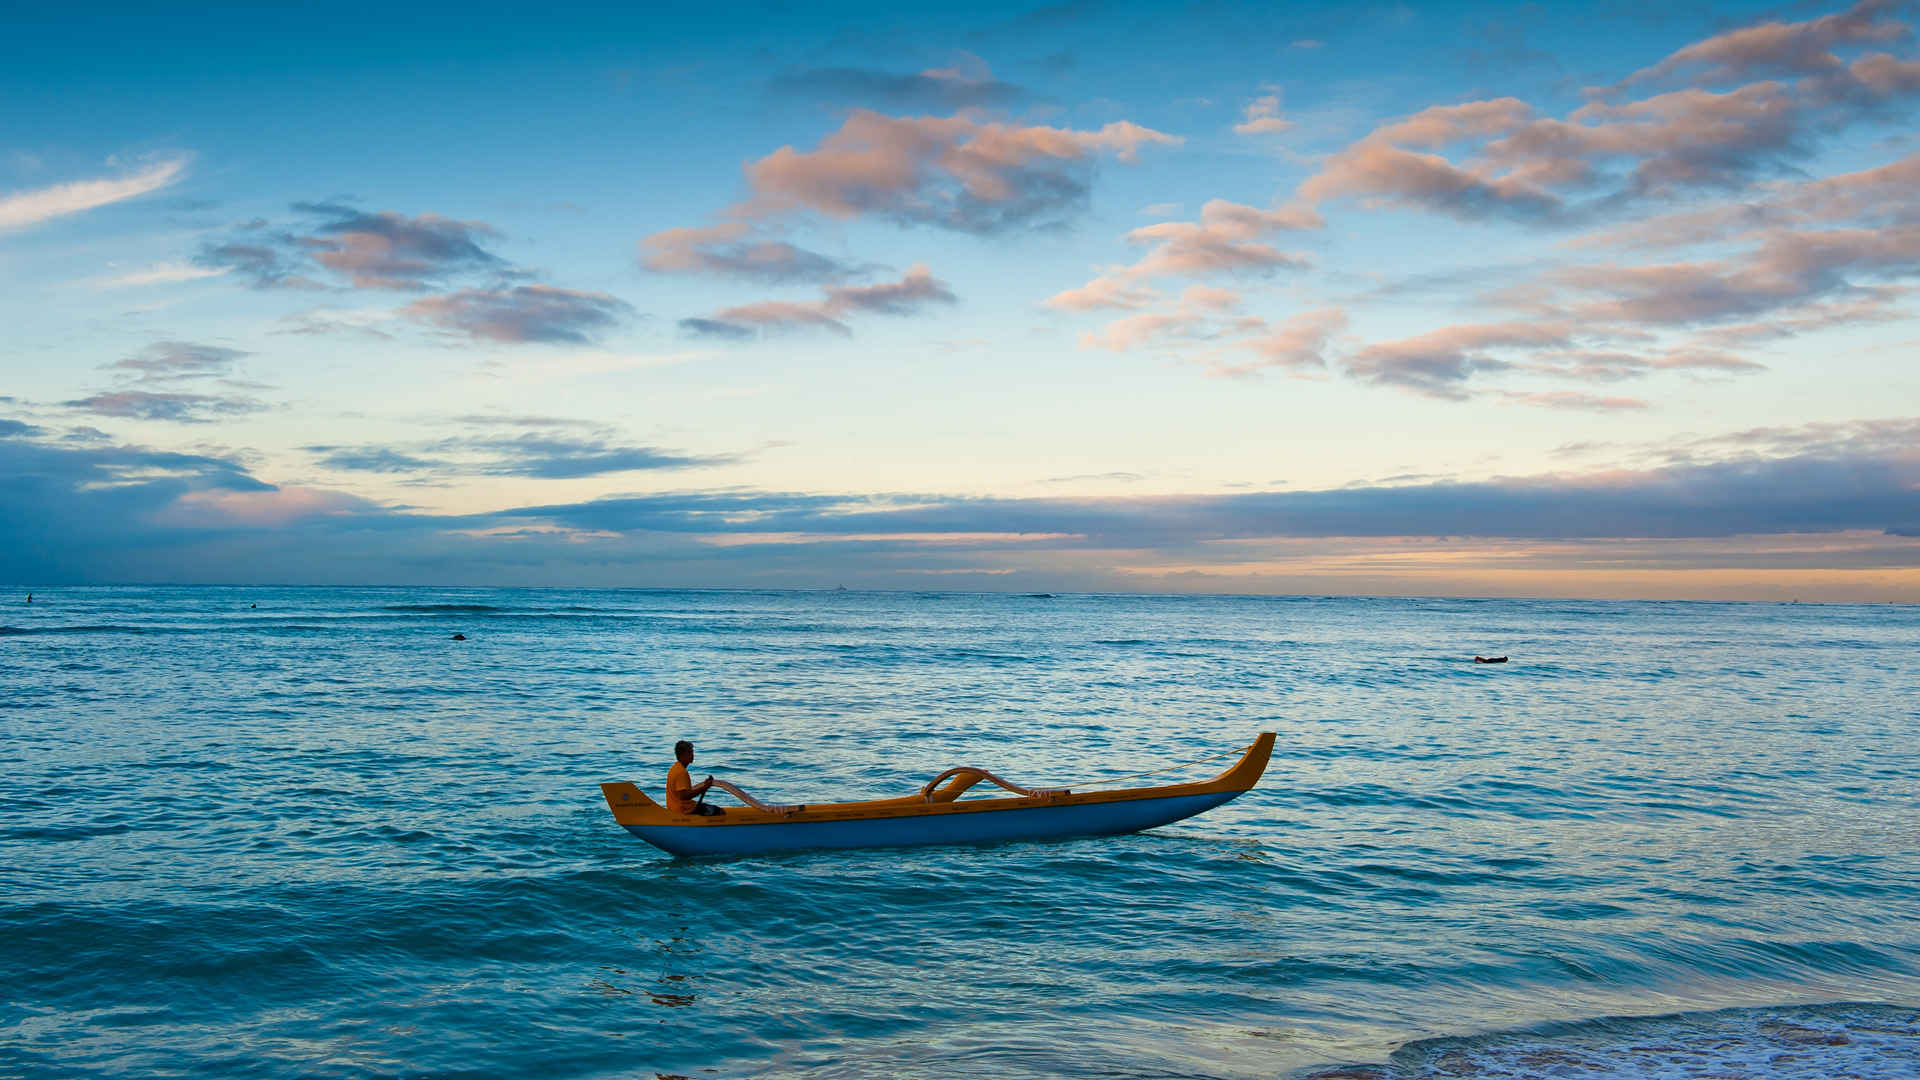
(1039,596)
(1489,659)
(463,637)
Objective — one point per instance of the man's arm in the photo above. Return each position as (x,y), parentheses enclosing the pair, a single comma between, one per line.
(700,788)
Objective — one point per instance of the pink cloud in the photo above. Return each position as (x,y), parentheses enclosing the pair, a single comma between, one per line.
(1802,48)
(1498,158)
(1225,240)
(1103,292)
(1298,344)
(1377,172)
(954,172)
(910,295)
(1262,117)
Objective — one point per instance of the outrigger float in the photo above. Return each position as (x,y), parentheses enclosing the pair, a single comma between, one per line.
(936,815)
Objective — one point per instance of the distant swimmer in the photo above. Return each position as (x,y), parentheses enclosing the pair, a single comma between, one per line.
(253,605)
(1489,659)
(459,637)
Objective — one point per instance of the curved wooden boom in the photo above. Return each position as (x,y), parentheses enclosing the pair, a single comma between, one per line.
(934,815)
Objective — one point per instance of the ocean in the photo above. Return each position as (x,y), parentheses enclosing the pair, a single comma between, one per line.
(303,832)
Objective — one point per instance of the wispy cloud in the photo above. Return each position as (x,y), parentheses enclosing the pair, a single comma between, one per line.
(171,273)
(179,408)
(174,361)
(541,453)
(966,85)
(910,295)
(24,208)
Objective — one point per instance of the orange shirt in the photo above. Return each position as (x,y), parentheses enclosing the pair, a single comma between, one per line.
(677,782)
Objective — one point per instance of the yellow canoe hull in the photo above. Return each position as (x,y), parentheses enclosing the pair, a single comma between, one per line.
(918,819)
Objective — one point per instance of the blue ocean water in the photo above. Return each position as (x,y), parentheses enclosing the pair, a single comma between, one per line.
(317,837)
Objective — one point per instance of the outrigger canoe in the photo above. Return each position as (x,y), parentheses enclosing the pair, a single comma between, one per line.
(936,815)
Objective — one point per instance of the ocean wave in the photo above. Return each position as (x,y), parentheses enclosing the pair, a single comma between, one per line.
(439,609)
(99,628)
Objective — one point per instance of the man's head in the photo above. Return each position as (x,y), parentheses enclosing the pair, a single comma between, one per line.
(683,752)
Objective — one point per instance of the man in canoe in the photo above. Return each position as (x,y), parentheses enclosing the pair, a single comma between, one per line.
(681,789)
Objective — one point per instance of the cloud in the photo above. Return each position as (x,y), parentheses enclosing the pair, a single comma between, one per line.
(373,459)
(950,172)
(910,295)
(119,513)
(715,328)
(541,456)
(159,274)
(554,458)
(1777,48)
(1224,241)
(915,289)
(1786,270)
(1202,313)
(1606,154)
(1379,173)
(1262,117)
(938,89)
(262,264)
(1439,363)
(523,314)
(1299,344)
(1103,292)
(1844,487)
(386,250)
(1595,365)
(173,361)
(1573,400)
(25,208)
(177,408)
(1884,195)
(731,249)
(383,250)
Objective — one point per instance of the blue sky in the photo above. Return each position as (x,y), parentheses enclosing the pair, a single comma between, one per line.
(1407,299)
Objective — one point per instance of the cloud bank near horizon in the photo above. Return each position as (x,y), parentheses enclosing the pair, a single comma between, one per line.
(107,512)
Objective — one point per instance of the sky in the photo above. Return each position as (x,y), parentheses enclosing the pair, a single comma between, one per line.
(1584,300)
